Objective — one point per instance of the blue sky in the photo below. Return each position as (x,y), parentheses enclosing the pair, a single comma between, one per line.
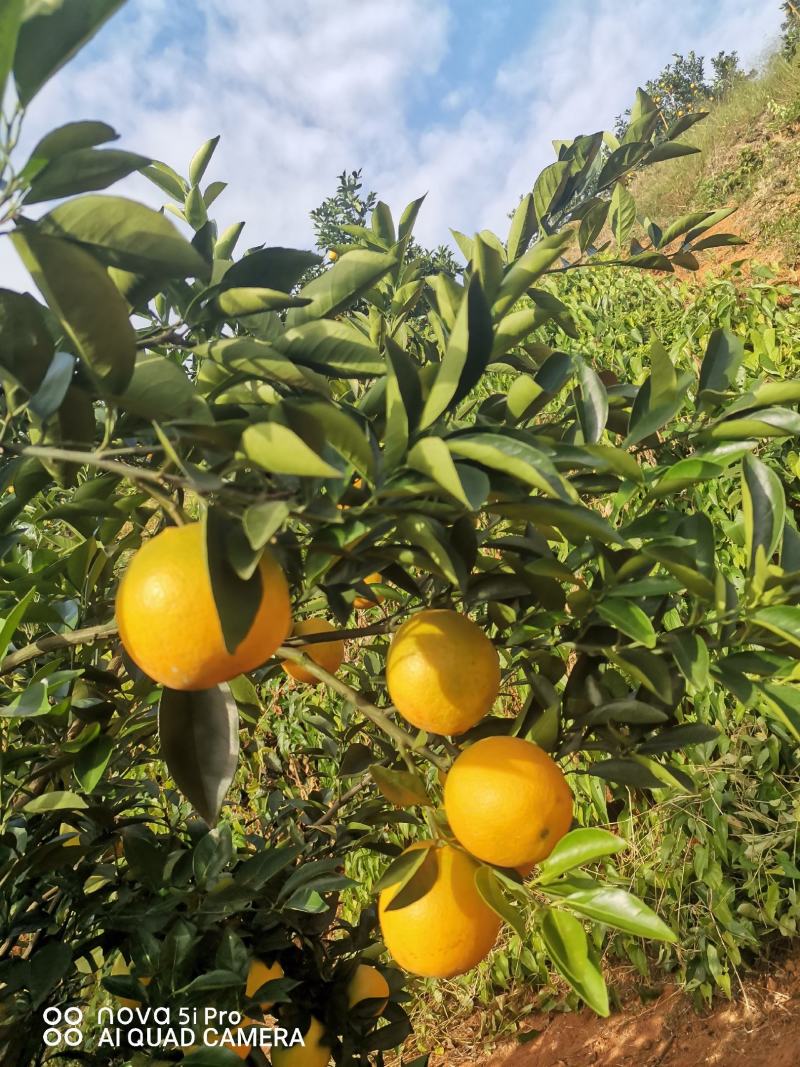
(457,98)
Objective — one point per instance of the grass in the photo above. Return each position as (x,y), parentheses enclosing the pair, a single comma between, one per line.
(749,157)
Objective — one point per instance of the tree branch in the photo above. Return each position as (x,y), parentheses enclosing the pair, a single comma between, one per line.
(54,642)
(376,715)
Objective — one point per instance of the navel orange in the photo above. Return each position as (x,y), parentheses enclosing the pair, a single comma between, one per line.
(328,654)
(168,620)
(507,801)
(442,672)
(448,930)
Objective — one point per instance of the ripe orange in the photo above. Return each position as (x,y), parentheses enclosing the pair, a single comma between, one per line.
(328,654)
(363,602)
(368,983)
(507,801)
(442,672)
(243,1051)
(168,620)
(260,973)
(448,930)
(312,1054)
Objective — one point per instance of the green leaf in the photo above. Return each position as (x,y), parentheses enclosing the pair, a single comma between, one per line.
(10,20)
(723,357)
(201,159)
(401,869)
(490,889)
(30,704)
(66,138)
(468,350)
(619,909)
(262,521)
(50,395)
(199,735)
(768,422)
(683,225)
(57,800)
(684,567)
(159,389)
(568,948)
(91,762)
(780,619)
(81,171)
(625,772)
(403,402)
(401,788)
(127,235)
(280,450)
(658,399)
(577,848)
(337,349)
(626,710)
(622,215)
(516,458)
(83,296)
(26,347)
(320,423)
(168,181)
(12,621)
(339,286)
(764,507)
(417,882)
(522,229)
(592,223)
(431,456)
(628,618)
(252,358)
(685,473)
(575,521)
(691,655)
(530,266)
(241,301)
(548,188)
(431,537)
(408,218)
(270,268)
(237,598)
(50,35)
(592,406)
(665,150)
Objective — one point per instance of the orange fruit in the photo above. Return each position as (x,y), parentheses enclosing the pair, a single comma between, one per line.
(311,1054)
(243,1050)
(449,929)
(363,602)
(328,654)
(442,672)
(258,974)
(333,255)
(507,801)
(168,620)
(368,983)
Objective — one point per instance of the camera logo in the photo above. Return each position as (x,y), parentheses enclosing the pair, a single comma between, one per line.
(63,1026)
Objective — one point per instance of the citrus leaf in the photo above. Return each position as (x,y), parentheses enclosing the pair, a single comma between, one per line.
(50,35)
(577,848)
(83,296)
(620,909)
(199,734)
(57,800)
(127,235)
(82,171)
(489,887)
(401,788)
(341,285)
(628,618)
(568,948)
(278,449)
(237,599)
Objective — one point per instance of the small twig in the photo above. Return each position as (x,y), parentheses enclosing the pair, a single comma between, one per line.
(166,337)
(56,641)
(337,805)
(404,740)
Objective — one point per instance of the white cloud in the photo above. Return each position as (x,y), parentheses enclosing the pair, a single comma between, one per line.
(301,90)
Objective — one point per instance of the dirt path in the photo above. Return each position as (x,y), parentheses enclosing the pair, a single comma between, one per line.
(761,1028)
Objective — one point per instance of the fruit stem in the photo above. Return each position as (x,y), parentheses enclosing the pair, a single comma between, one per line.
(405,741)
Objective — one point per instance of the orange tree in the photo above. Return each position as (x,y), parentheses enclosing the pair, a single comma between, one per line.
(408,451)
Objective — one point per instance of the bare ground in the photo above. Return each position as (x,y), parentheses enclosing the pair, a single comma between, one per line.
(760,1027)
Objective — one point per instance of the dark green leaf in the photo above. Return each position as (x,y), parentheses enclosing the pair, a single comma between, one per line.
(491,890)
(81,293)
(51,34)
(764,507)
(568,948)
(342,284)
(237,599)
(81,171)
(628,618)
(199,734)
(124,234)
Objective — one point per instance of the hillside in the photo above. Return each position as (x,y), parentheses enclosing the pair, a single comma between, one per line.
(749,159)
